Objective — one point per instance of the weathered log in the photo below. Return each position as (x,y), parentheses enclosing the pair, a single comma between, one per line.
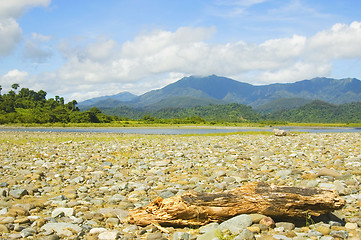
(196,209)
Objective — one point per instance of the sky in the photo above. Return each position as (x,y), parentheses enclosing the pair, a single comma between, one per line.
(88,48)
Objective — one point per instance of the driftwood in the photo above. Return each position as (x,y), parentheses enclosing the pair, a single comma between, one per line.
(195,209)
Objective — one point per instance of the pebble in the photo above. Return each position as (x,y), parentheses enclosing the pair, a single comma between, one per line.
(285,225)
(3,228)
(62,228)
(208,227)
(18,193)
(236,224)
(108,235)
(79,185)
(182,236)
(60,212)
(256,218)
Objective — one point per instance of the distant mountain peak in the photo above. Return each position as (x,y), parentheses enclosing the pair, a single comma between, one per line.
(218,89)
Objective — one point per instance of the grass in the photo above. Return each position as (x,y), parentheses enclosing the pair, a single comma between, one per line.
(142,124)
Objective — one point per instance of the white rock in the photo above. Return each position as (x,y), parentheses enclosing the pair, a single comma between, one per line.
(58,212)
(108,235)
(94,231)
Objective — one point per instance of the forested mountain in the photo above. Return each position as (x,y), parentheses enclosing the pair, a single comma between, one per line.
(216,112)
(282,104)
(220,90)
(320,112)
(109,100)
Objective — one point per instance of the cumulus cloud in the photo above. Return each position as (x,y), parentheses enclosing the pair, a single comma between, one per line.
(11,77)
(16,8)
(341,41)
(10,31)
(152,60)
(10,35)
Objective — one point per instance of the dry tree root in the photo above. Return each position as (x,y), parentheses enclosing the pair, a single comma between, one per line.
(196,209)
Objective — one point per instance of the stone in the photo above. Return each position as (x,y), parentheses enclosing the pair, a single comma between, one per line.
(3,211)
(182,236)
(256,217)
(285,225)
(3,229)
(208,227)
(112,221)
(328,172)
(245,234)
(27,232)
(314,233)
(279,132)
(18,193)
(351,226)
(267,221)
(14,236)
(59,212)
(323,229)
(339,234)
(156,236)
(108,235)
(5,220)
(95,231)
(166,194)
(327,238)
(280,237)
(117,198)
(62,228)
(236,224)
(4,192)
(254,229)
(284,173)
(212,234)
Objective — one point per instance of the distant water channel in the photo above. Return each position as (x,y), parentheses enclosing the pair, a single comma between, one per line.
(178,131)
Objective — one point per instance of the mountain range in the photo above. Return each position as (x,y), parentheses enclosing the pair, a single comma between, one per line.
(201,91)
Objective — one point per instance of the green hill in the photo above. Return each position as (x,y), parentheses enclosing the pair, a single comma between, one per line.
(321,112)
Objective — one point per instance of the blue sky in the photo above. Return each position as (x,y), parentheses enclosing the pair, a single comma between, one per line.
(88,48)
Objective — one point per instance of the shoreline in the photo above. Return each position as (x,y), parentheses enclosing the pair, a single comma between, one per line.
(80,180)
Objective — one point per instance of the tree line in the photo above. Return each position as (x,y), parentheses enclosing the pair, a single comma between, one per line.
(28,106)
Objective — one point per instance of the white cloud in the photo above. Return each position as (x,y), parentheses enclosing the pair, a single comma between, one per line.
(10,31)
(36,50)
(35,53)
(155,59)
(40,37)
(341,41)
(10,35)
(16,8)
(11,77)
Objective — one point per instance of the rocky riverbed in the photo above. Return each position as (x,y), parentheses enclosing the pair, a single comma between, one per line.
(80,185)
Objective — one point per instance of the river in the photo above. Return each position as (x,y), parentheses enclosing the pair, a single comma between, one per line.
(178,131)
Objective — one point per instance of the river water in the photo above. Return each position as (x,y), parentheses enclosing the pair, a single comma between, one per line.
(177,131)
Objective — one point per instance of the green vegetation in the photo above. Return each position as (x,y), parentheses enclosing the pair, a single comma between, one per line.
(320,112)
(214,114)
(28,106)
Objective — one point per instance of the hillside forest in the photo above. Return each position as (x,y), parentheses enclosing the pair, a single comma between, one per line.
(28,106)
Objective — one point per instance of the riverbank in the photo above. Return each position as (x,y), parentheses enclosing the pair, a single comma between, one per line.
(142,124)
(80,185)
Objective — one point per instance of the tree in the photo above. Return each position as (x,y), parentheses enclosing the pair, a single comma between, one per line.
(15,86)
